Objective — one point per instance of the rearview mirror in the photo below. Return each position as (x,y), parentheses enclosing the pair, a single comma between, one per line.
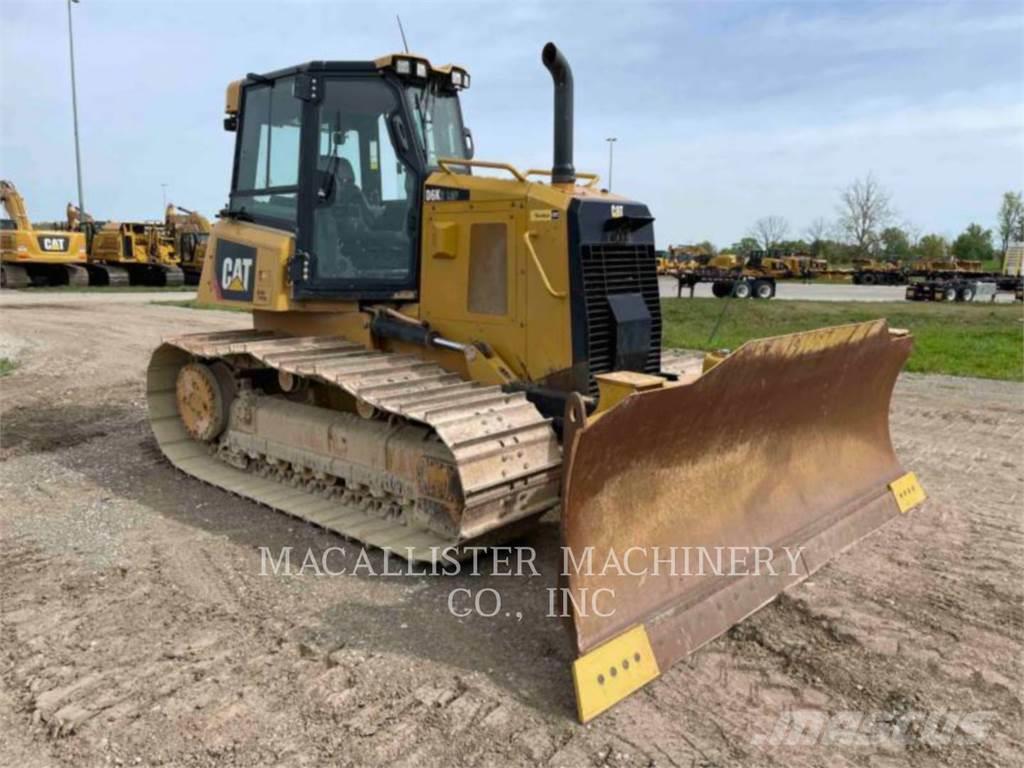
(400,134)
(326,183)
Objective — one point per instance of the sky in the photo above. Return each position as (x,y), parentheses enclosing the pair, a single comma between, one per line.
(723,112)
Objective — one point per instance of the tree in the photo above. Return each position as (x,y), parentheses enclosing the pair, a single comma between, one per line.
(912,231)
(707,247)
(793,247)
(932,248)
(1011,219)
(744,247)
(818,230)
(974,244)
(769,232)
(864,210)
(895,244)
(817,234)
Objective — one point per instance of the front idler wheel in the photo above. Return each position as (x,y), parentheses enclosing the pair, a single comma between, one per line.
(204,394)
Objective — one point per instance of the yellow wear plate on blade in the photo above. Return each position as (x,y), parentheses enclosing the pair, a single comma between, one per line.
(907,491)
(611,672)
(697,504)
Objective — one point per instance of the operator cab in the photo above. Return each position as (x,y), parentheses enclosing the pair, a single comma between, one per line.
(338,152)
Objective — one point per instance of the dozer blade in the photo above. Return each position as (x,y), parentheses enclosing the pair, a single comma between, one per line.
(694,505)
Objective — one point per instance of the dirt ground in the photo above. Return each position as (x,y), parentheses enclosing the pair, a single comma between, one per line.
(137,628)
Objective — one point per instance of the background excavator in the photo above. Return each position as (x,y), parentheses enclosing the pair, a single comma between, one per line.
(30,256)
(438,358)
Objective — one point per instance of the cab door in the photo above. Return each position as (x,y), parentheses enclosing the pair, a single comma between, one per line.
(360,234)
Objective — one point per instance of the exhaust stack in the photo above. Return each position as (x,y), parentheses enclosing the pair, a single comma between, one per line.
(562,172)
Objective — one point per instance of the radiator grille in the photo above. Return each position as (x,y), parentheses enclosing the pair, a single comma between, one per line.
(608,269)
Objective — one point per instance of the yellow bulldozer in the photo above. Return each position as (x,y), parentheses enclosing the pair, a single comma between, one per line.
(444,349)
(189,230)
(135,253)
(37,256)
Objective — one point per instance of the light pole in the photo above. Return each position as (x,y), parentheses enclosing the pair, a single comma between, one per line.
(611,144)
(163,190)
(74,110)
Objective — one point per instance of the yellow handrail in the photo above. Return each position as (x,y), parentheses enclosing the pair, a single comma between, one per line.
(540,267)
(593,177)
(444,162)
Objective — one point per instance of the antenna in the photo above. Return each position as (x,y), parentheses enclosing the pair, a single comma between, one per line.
(402,31)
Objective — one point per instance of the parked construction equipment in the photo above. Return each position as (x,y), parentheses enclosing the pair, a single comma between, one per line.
(956,288)
(37,256)
(136,253)
(753,276)
(189,232)
(438,358)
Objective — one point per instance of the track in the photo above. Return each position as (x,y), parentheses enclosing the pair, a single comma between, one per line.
(26,274)
(505,454)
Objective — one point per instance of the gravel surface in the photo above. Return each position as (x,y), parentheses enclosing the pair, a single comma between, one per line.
(136,627)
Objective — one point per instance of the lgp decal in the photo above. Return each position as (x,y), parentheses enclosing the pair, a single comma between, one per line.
(53,244)
(434,194)
(236,270)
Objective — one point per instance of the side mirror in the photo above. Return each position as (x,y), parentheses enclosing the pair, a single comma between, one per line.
(401,135)
(467,140)
(326,186)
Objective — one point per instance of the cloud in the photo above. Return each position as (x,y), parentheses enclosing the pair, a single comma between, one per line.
(873,28)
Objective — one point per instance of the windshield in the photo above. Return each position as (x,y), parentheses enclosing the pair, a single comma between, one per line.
(438,122)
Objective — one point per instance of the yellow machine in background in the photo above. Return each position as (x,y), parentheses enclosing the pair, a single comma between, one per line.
(37,256)
(136,253)
(189,232)
(438,358)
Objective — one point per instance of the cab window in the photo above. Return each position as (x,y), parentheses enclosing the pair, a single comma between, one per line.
(364,220)
(267,176)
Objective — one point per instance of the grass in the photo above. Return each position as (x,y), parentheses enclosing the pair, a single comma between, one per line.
(196,304)
(7,366)
(984,340)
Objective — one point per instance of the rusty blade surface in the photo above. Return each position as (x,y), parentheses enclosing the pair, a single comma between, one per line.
(784,444)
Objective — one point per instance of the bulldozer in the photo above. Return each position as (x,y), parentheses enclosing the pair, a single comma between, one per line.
(189,230)
(133,253)
(31,256)
(445,349)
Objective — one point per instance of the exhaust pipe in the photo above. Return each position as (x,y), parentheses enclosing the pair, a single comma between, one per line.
(562,172)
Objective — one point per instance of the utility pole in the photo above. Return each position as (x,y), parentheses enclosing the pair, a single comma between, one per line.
(611,145)
(74,110)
